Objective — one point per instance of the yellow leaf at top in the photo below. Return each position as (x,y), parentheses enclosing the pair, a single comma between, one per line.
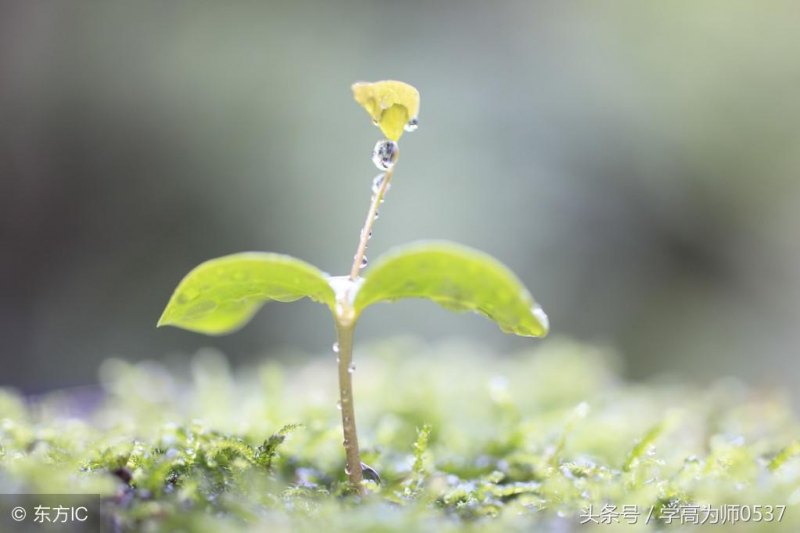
(391,104)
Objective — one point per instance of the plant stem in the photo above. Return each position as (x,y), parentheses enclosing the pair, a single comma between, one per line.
(345,325)
(367,229)
(344,333)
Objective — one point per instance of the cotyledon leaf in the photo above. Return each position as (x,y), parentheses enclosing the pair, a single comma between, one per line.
(391,104)
(458,278)
(222,295)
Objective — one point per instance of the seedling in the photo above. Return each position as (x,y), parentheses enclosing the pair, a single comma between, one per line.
(222,295)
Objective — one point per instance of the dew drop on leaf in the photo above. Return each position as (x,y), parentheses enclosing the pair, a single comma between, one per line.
(384,154)
(541,316)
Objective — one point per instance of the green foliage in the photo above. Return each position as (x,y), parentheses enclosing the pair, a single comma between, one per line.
(416,479)
(420,448)
(458,278)
(268,451)
(517,443)
(222,295)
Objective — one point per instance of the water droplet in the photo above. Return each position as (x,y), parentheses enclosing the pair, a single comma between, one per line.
(339,405)
(377,182)
(377,215)
(344,288)
(541,316)
(335,347)
(370,473)
(384,154)
(412,125)
(346,470)
(351,368)
(364,262)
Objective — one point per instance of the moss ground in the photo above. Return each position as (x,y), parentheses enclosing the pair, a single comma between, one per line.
(463,439)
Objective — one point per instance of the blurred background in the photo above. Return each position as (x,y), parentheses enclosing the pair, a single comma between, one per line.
(636,165)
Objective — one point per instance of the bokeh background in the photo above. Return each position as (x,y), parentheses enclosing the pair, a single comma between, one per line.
(635,163)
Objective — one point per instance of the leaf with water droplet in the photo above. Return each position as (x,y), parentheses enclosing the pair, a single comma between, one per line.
(222,295)
(458,278)
(391,104)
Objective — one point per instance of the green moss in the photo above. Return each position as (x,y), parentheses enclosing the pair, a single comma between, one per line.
(463,440)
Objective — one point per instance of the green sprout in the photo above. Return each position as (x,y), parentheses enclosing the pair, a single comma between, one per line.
(221,295)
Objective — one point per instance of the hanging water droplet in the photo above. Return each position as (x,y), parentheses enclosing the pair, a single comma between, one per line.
(351,368)
(364,262)
(335,347)
(339,405)
(346,470)
(384,154)
(377,215)
(541,316)
(412,125)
